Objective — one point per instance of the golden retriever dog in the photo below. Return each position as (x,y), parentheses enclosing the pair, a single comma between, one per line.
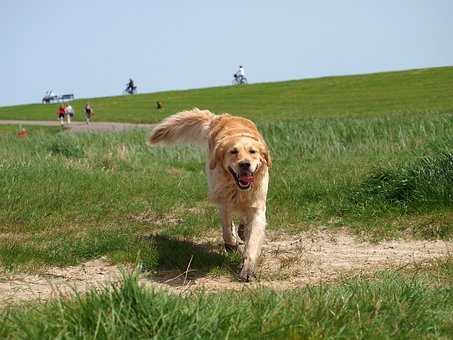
(238,174)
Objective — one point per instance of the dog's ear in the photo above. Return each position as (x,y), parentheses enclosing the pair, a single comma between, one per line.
(216,155)
(266,156)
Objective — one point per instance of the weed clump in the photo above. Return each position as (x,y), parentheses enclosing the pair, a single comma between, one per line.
(66,146)
(426,182)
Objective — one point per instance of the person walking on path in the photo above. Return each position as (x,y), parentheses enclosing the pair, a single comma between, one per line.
(69,111)
(88,113)
(61,112)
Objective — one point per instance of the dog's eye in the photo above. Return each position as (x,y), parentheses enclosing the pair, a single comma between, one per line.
(234,151)
(252,151)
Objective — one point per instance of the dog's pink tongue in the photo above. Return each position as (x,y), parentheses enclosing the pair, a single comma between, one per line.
(246,179)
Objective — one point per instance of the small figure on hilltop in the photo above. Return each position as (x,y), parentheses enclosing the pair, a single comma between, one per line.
(159,105)
(241,71)
(61,112)
(69,111)
(239,76)
(131,87)
(88,113)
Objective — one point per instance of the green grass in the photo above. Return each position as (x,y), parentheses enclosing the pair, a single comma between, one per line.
(372,153)
(423,184)
(414,91)
(68,198)
(417,303)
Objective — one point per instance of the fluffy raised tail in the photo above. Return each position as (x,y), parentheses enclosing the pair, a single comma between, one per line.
(189,127)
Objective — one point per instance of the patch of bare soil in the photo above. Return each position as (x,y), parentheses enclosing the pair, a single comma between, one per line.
(288,261)
(295,261)
(56,282)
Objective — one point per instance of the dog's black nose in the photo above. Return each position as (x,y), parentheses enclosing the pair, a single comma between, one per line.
(244,165)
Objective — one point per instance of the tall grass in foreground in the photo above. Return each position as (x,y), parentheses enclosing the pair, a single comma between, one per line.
(391,305)
(67,198)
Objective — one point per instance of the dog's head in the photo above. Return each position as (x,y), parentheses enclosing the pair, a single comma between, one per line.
(242,158)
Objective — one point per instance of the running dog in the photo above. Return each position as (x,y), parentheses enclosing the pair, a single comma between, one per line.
(238,174)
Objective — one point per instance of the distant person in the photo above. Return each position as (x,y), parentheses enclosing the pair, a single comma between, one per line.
(240,74)
(69,111)
(88,113)
(159,105)
(131,86)
(61,112)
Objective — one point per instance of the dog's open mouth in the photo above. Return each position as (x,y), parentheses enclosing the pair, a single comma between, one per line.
(244,180)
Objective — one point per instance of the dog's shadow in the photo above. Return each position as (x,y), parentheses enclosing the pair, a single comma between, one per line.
(179,261)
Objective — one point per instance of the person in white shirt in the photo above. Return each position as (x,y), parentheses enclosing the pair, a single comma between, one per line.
(240,74)
(69,112)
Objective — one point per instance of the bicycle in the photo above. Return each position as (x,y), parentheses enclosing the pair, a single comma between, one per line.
(239,80)
(130,90)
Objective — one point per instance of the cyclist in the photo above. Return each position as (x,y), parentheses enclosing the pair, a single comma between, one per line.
(130,86)
(240,74)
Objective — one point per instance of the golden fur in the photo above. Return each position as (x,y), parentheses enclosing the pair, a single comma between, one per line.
(238,173)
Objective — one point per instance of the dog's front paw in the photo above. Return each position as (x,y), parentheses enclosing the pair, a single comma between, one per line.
(247,274)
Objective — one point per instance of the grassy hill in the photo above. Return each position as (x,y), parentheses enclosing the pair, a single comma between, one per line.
(372,154)
(413,91)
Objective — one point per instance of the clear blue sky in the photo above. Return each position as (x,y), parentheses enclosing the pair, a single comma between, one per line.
(91,48)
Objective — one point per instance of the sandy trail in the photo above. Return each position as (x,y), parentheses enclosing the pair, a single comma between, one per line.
(288,261)
(80,126)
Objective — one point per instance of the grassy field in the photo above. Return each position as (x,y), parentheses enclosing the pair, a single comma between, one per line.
(371,153)
(68,198)
(415,91)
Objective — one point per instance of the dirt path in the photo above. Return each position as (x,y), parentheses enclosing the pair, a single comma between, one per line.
(80,126)
(287,262)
